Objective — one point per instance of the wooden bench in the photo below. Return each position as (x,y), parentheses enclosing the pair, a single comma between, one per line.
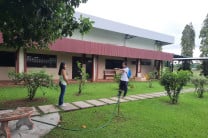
(22,114)
(109,73)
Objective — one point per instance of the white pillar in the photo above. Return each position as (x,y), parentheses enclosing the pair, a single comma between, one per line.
(94,76)
(20,60)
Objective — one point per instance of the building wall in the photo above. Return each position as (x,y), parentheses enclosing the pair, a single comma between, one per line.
(67,58)
(4,72)
(141,43)
(61,57)
(101,36)
(132,66)
(101,67)
(147,68)
(104,36)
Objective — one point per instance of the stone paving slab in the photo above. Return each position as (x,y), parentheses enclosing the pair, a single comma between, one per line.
(82,104)
(39,130)
(140,97)
(108,101)
(154,95)
(96,102)
(188,90)
(130,98)
(163,94)
(69,107)
(160,92)
(121,99)
(48,109)
(145,96)
(35,112)
(5,111)
(135,96)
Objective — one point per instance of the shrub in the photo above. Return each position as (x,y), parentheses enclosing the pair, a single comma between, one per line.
(117,77)
(173,83)
(82,78)
(199,83)
(150,76)
(32,81)
(17,78)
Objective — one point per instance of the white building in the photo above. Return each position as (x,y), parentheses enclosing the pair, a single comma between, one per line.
(102,49)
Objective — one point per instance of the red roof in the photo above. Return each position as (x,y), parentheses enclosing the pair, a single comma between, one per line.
(86,47)
(1,38)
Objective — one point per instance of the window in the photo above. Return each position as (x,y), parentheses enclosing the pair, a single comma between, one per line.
(145,62)
(111,63)
(7,59)
(41,60)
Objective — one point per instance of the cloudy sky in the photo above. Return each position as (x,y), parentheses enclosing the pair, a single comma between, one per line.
(164,16)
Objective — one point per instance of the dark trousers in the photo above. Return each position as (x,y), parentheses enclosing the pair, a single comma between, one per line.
(123,86)
(61,96)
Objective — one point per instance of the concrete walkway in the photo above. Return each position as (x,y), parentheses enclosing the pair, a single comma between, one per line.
(49,113)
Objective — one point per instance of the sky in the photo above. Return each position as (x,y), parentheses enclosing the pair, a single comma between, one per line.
(163,16)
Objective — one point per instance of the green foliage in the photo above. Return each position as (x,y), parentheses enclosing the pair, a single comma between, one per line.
(204,45)
(85,25)
(17,78)
(131,84)
(156,120)
(117,77)
(92,91)
(199,82)
(204,67)
(173,83)
(188,41)
(32,81)
(35,24)
(187,45)
(82,78)
(151,76)
(204,38)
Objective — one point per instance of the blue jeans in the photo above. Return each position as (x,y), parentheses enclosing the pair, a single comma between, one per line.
(61,96)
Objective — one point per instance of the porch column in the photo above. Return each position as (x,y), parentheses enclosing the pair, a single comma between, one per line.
(136,67)
(20,61)
(94,68)
(25,61)
(161,68)
(138,71)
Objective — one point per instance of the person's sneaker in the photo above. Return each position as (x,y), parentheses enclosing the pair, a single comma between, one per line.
(63,105)
(123,97)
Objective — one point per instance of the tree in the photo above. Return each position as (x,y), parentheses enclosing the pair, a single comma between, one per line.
(187,45)
(204,46)
(37,23)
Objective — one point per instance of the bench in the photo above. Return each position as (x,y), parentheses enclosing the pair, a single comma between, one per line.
(109,73)
(22,114)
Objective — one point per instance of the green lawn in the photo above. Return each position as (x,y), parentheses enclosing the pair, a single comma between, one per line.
(150,118)
(91,91)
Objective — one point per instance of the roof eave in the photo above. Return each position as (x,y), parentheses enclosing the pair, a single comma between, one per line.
(113,26)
